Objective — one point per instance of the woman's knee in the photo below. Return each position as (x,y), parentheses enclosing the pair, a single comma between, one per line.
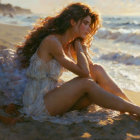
(98,69)
(87,82)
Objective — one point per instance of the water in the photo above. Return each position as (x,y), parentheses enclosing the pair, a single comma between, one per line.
(116,46)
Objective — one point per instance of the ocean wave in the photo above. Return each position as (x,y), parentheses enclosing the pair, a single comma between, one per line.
(120,22)
(120,35)
(132,23)
(20,20)
(122,58)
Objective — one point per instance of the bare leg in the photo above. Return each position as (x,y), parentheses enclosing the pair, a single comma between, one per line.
(82,103)
(108,100)
(102,78)
(61,99)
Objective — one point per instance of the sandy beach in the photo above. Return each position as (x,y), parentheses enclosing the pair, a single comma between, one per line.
(11,35)
(121,127)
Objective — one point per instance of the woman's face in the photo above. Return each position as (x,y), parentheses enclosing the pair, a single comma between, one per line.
(84,27)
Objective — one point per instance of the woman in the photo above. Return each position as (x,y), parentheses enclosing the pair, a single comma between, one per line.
(46,54)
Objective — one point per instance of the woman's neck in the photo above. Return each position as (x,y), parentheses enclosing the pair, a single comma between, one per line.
(66,38)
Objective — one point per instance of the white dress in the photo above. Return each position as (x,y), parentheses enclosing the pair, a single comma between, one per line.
(41,78)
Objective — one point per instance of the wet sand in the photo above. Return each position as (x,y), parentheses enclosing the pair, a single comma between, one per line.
(121,127)
(10,35)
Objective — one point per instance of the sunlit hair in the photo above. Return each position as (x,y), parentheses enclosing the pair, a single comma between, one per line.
(57,25)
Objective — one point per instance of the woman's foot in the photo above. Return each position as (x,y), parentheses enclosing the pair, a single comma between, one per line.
(135,113)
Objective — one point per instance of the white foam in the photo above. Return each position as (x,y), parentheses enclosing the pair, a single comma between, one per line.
(121,58)
(120,35)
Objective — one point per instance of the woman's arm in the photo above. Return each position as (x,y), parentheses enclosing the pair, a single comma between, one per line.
(82,60)
(85,49)
(56,50)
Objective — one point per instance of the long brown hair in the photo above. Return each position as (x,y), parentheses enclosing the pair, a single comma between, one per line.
(56,25)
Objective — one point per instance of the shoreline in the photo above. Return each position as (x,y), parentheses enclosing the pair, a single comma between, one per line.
(10,35)
(14,25)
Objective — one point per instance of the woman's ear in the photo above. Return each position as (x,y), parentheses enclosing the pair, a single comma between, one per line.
(73,23)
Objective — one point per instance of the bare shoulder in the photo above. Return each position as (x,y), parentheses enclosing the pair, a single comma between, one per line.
(55,49)
(52,40)
(54,45)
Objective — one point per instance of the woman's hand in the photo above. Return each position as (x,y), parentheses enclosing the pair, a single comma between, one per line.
(78,45)
(85,49)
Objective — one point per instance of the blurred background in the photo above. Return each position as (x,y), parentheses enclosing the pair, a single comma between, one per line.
(108,7)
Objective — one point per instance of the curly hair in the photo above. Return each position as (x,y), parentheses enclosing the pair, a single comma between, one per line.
(56,25)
